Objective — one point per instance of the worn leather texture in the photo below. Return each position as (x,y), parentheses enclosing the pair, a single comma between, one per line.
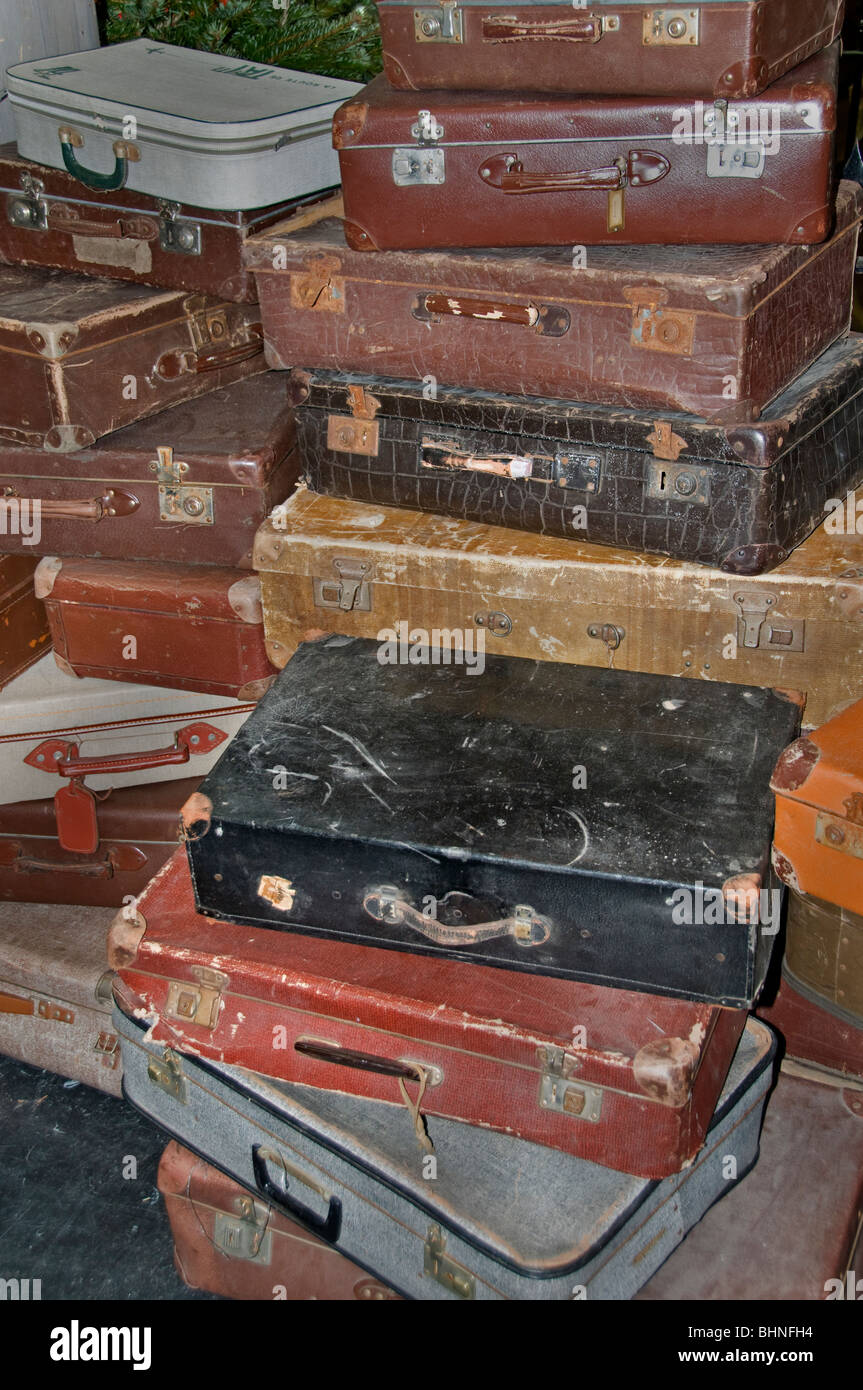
(24,635)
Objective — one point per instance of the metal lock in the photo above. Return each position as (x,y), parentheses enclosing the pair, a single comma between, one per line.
(350,590)
(439,23)
(415,165)
(199,1003)
(166,1073)
(346,435)
(178,233)
(670,28)
(179,501)
(773,633)
(661,329)
(736,160)
(444,1270)
(244,1236)
(678,482)
(559,1092)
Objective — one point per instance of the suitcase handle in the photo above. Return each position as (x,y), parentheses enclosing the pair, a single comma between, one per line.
(16,1004)
(386,905)
(61,756)
(508,29)
(551,320)
(125,153)
(119,859)
(134,228)
(366,1061)
(507,173)
(113,502)
(174,364)
(326,1227)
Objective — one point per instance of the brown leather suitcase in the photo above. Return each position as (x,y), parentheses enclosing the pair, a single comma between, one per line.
(138,828)
(723,48)
(189,627)
(53,220)
(563,170)
(55,992)
(820,1039)
(82,357)
(193,482)
(227,1241)
(24,634)
(717,333)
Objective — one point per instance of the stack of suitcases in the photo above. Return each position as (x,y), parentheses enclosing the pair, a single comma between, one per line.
(455,588)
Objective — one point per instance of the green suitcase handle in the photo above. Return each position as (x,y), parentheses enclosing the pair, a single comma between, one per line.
(125,153)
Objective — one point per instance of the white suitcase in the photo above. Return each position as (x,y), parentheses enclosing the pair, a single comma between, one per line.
(40,29)
(190,127)
(127,734)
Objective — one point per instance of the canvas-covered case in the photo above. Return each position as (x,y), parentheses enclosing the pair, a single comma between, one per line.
(194,480)
(50,219)
(137,830)
(717,333)
(55,992)
(524,169)
(722,48)
(188,627)
(503,1219)
(788,1231)
(352,567)
(82,357)
(732,497)
(180,124)
(229,1242)
(24,635)
(818,842)
(560,820)
(628,1080)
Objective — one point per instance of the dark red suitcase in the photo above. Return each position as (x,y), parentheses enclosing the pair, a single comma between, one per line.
(193,482)
(81,357)
(815,1032)
(138,829)
(563,170)
(716,333)
(24,634)
(188,627)
(723,48)
(628,1080)
(227,1241)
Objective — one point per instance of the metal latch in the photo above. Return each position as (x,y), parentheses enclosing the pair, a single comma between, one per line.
(498,624)
(608,633)
(166,1073)
(422,163)
(754,629)
(439,23)
(197,1003)
(107,1046)
(350,591)
(678,482)
(438,1266)
(28,208)
(244,1236)
(193,506)
(657,327)
(176,233)
(730,155)
(557,1090)
(353,436)
(839,834)
(669,28)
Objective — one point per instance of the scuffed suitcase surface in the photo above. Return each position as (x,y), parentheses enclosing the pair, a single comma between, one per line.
(721,49)
(534,816)
(552,599)
(628,1080)
(825,1039)
(83,357)
(107,501)
(24,635)
(824,952)
(228,1242)
(735,498)
(503,1219)
(55,992)
(716,332)
(787,1231)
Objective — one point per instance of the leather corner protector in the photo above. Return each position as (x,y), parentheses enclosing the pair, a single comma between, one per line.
(741,894)
(358,239)
(124,937)
(65,666)
(45,575)
(348,123)
(244,598)
(195,816)
(785,871)
(254,690)
(794,765)
(664,1070)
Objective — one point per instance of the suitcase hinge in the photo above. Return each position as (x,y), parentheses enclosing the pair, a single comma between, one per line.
(244,1236)
(670,28)
(107,1046)
(192,506)
(438,1266)
(199,1003)
(755,629)
(28,208)
(439,23)
(166,1073)
(557,1091)
(350,591)
(178,233)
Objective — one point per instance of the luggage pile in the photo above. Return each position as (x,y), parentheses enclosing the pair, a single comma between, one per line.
(504,603)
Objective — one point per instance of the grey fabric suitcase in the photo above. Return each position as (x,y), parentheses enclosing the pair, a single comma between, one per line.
(494,1217)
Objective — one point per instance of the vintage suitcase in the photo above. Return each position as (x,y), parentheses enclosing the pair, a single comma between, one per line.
(55,992)
(733,497)
(714,333)
(564,170)
(824,1040)
(350,567)
(720,49)
(189,627)
(623,1079)
(24,635)
(40,29)
(818,842)
(229,1242)
(53,220)
(180,124)
(193,481)
(137,830)
(57,730)
(501,1219)
(598,825)
(82,357)
(788,1230)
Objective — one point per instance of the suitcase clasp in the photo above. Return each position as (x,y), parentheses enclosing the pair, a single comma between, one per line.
(28,208)
(190,505)
(350,591)
(244,1236)
(754,629)
(178,233)
(558,1091)
(670,28)
(439,23)
(199,1003)
(444,1270)
(166,1073)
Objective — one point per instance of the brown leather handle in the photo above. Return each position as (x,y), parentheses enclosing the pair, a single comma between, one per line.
(113,502)
(16,1004)
(123,228)
(508,29)
(174,364)
(61,756)
(360,1061)
(507,173)
(493,310)
(120,858)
